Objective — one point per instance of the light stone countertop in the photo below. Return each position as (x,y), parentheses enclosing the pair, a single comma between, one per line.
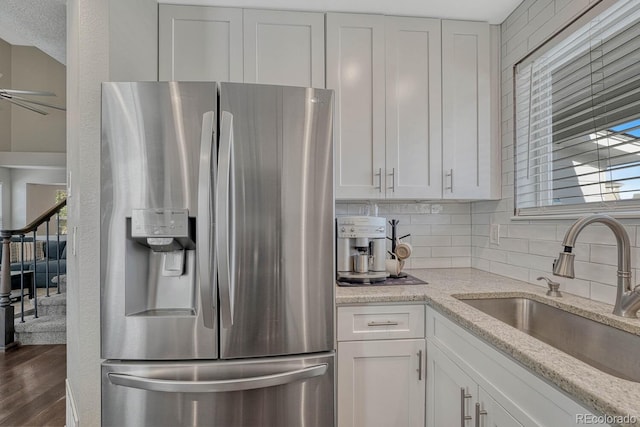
(601,392)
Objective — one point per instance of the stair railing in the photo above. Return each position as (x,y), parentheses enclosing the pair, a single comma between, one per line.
(8,236)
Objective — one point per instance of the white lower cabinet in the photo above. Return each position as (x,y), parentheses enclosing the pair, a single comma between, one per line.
(455,399)
(381,382)
(471,384)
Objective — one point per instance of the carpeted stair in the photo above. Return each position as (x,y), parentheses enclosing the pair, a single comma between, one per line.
(51,325)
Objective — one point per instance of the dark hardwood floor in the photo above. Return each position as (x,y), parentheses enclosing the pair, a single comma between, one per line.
(32,386)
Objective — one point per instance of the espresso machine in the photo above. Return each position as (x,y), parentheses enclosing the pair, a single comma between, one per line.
(361,249)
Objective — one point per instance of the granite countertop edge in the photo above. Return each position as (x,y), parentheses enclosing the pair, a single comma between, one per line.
(596,390)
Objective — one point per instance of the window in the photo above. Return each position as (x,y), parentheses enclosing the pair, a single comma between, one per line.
(577,123)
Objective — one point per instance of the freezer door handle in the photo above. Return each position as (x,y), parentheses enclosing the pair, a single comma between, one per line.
(203,225)
(225,231)
(217,386)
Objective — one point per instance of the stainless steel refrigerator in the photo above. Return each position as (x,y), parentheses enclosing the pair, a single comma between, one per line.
(217,295)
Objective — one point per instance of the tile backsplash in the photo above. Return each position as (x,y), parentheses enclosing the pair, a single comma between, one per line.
(440,231)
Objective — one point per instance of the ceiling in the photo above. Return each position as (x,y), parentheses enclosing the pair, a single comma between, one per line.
(492,11)
(42,23)
(39,23)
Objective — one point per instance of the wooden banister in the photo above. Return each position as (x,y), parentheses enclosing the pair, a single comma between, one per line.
(6,309)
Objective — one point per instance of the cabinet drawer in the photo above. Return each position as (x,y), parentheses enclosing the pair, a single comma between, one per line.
(380,322)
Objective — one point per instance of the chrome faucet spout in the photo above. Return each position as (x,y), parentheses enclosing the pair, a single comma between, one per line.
(627,299)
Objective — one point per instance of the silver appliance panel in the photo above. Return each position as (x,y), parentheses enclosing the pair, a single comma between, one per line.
(154,139)
(270,392)
(280,207)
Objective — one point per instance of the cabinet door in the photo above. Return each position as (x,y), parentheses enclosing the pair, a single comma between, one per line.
(198,43)
(355,70)
(413,119)
(466,110)
(381,383)
(491,414)
(451,394)
(284,48)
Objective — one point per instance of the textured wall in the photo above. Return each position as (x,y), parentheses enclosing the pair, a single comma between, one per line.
(527,248)
(34,70)
(93,57)
(5,107)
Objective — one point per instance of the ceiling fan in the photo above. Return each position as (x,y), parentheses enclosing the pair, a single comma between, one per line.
(17,97)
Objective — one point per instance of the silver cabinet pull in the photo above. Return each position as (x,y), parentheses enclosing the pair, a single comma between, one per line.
(450,176)
(393,180)
(385,323)
(216,386)
(478,413)
(463,396)
(379,175)
(419,365)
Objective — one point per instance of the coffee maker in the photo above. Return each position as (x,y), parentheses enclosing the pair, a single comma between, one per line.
(361,249)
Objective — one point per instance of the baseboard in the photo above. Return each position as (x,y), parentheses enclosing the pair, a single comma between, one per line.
(72,413)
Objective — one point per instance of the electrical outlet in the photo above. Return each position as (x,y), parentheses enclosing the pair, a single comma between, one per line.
(494,234)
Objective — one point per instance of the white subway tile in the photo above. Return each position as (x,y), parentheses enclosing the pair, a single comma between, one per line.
(421,252)
(604,254)
(528,231)
(431,219)
(461,241)
(481,264)
(461,262)
(417,241)
(603,292)
(514,245)
(518,273)
(453,230)
(601,273)
(490,254)
(451,251)
(461,219)
(530,261)
(431,263)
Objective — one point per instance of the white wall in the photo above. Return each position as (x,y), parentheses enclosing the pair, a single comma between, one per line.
(527,248)
(94,56)
(19,180)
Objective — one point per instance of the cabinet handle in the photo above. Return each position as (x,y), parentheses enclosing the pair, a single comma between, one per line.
(379,175)
(385,323)
(450,176)
(463,396)
(478,413)
(419,365)
(393,180)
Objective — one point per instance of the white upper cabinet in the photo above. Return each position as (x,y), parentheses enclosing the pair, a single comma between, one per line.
(413,129)
(285,48)
(198,43)
(414,108)
(206,43)
(470,160)
(356,71)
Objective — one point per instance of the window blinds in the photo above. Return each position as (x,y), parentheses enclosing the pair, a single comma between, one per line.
(577,123)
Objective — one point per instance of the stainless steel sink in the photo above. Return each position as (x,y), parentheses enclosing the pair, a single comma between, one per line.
(605,348)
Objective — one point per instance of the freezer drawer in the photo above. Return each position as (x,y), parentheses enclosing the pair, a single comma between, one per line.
(278,392)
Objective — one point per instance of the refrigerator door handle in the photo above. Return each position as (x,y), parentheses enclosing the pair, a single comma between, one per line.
(217,386)
(203,226)
(225,235)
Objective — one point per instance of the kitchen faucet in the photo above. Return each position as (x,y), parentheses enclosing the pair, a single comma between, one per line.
(627,299)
